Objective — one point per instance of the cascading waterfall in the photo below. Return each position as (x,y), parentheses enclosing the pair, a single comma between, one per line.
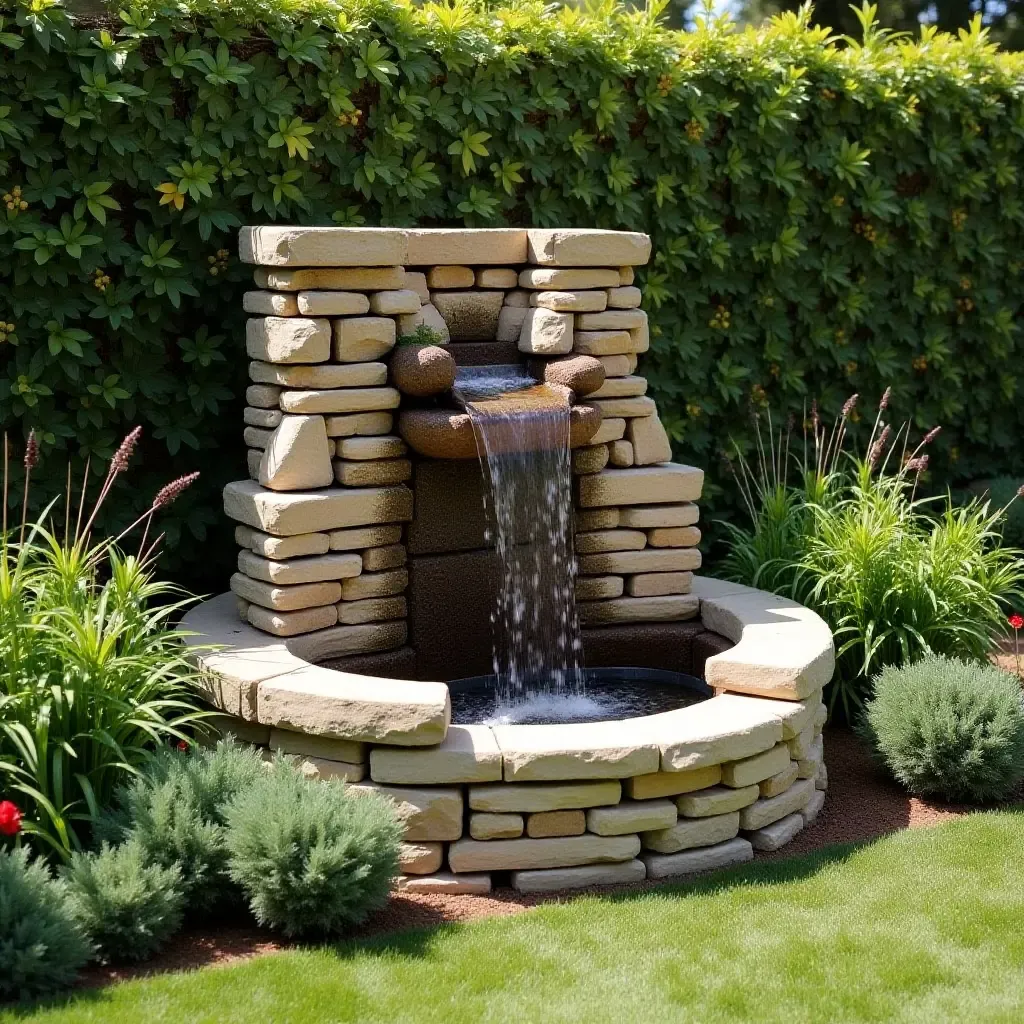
(522,432)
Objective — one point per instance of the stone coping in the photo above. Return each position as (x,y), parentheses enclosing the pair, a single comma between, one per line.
(783,653)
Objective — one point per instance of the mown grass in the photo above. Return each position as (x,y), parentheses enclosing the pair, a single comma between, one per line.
(920,926)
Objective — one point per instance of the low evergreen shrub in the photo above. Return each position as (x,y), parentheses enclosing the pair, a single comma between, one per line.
(311,857)
(42,946)
(129,906)
(949,728)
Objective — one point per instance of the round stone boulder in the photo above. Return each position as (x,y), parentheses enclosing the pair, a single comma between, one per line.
(422,370)
(582,374)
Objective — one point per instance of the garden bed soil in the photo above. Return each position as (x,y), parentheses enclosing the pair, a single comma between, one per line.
(871,806)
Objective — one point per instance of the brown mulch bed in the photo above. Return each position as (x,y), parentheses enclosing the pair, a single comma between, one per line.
(862,804)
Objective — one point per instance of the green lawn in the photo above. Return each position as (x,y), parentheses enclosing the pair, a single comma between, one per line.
(925,926)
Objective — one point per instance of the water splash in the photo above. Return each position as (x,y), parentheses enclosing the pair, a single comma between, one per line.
(522,433)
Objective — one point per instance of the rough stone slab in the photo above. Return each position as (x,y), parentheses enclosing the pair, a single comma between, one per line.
(263,396)
(297,456)
(555,879)
(690,833)
(556,823)
(273,246)
(779,782)
(670,608)
(346,706)
(594,588)
(610,430)
(740,774)
(587,247)
(777,834)
(692,862)
(612,320)
(289,513)
(650,440)
(322,769)
(291,623)
(571,302)
(355,279)
(821,779)
(659,584)
(546,332)
(470,316)
(270,304)
(632,816)
(618,365)
(510,323)
(820,717)
(765,811)
(342,400)
(382,447)
(282,339)
(795,715)
(533,799)
(716,800)
(661,784)
(622,387)
(673,537)
(426,316)
(266,418)
(609,540)
(282,547)
(590,750)
(647,560)
(595,519)
(483,825)
(285,599)
(316,303)
(801,745)
(428,815)
(322,376)
(372,472)
(603,343)
(453,277)
(435,246)
(520,854)
(443,883)
(497,277)
(362,339)
(360,424)
(395,302)
(807,767)
(626,275)
(621,453)
(659,516)
(390,557)
(288,742)
(640,405)
(364,537)
(813,807)
(624,297)
(420,858)
(229,725)
(340,641)
(565,280)
(468,753)
(641,338)
(591,459)
(417,281)
(643,485)
(310,569)
(375,584)
(374,609)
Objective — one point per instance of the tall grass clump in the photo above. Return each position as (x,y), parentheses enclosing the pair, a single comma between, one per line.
(93,676)
(897,576)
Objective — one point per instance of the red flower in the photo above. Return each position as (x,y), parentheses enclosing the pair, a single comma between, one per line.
(182,746)
(1016,620)
(10,818)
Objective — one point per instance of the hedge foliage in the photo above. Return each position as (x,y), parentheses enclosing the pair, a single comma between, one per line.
(825,219)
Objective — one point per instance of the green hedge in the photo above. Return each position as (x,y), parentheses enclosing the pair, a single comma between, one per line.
(824,220)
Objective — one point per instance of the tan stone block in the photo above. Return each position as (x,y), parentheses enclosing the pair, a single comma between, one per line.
(561,851)
(321,769)
(594,588)
(341,400)
(612,320)
(357,279)
(284,599)
(571,302)
(624,297)
(813,807)
(632,816)
(602,343)
(391,556)
(647,560)
(716,800)
(364,537)
(435,246)
(383,447)
(673,537)
(315,303)
(265,418)
(609,540)
(690,833)
(257,437)
(483,825)
(610,430)
(271,245)
(375,609)
(253,456)
(426,316)
(765,811)
(621,387)
(444,883)
(595,519)
(281,547)
(740,774)
(362,339)
(650,440)
(820,717)
(546,332)
(470,316)
(777,834)
(801,745)
(510,323)
(779,782)
(417,281)
(375,584)
(518,298)
(626,276)
(429,815)
(297,455)
(641,337)
(282,339)
(329,375)
(497,277)
(642,485)
(360,424)
(262,396)
(556,823)
(620,454)
(524,798)
(704,858)
(291,623)
(566,280)
(659,584)
(669,608)
(453,277)
(420,858)
(632,359)
(394,302)
(310,569)
(617,366)
(587,247)
(659,516)
(591,458)
(288,742)
(659,784)
(270,304)
(808,767)
(641,405)
(467,754)
(582,877)
(373,472)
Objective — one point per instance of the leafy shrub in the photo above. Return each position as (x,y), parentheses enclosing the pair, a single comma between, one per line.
(42,946)
(824,217)
(895,577)
(127,905)
(92,676)
(950,728)
(175,812)
(311,857)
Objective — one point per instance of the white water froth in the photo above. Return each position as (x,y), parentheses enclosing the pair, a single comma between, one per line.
(551,708)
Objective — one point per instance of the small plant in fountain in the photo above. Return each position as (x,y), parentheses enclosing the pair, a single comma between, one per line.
(92,676)
(897,576)
(424,334)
